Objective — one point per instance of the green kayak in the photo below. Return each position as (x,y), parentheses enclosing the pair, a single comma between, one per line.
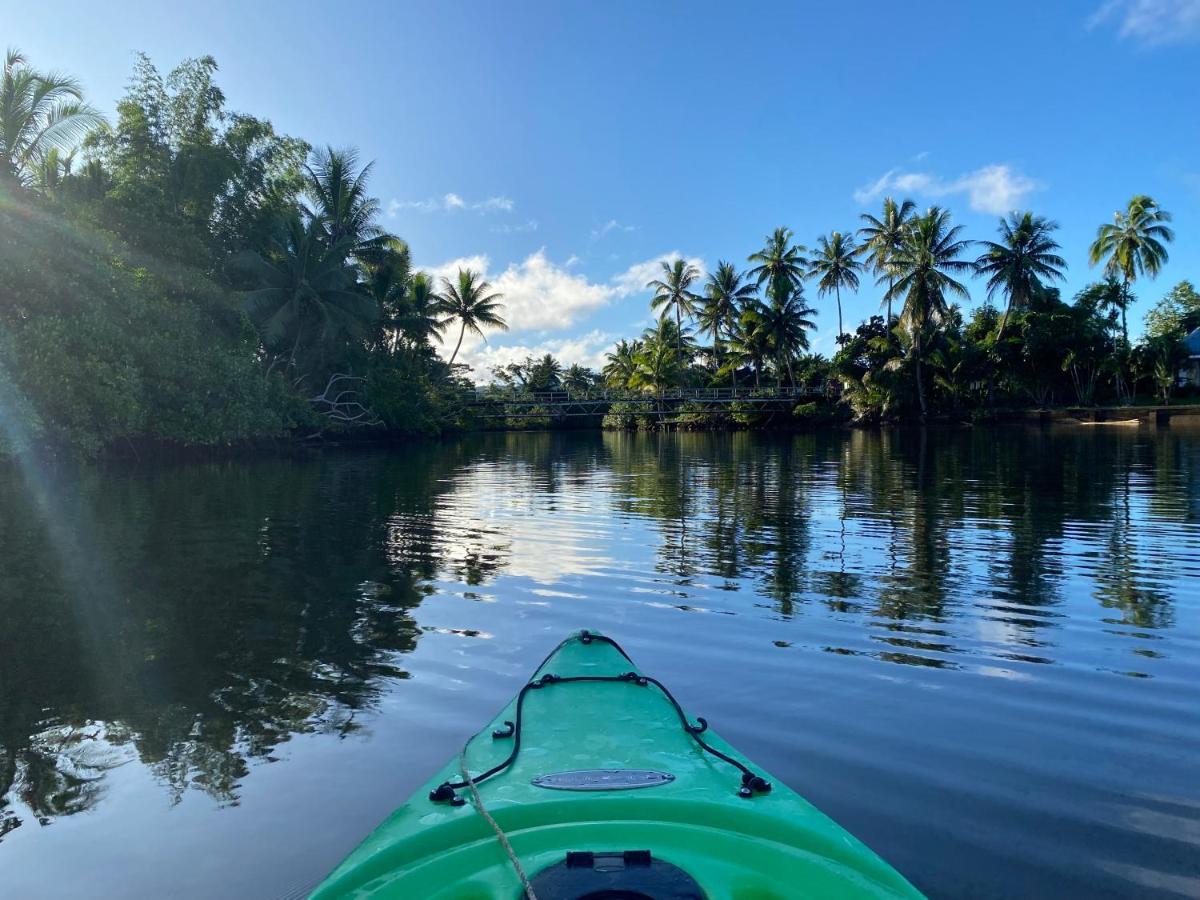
(593,783)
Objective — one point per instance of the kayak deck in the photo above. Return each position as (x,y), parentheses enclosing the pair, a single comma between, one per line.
(690,810)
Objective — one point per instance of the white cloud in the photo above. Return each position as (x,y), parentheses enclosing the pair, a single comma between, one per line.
(634,279)
(521,228)
(585,350)
(1150,22)
(538,295)
(542,297)
(996,189)
(610,226)
(451,202)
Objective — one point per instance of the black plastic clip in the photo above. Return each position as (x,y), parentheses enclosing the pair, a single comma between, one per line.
(698,729)
(506,732)
(753,784)
(585,637)
(443,793)
(548,678)
(635,678)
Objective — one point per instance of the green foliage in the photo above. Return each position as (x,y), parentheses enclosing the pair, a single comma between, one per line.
(199,278)
(1175,315)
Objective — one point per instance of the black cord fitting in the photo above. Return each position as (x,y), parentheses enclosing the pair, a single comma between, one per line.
(444,793)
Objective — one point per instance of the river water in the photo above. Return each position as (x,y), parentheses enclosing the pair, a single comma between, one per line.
(979,652)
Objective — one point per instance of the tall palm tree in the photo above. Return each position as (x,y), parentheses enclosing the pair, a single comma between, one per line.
(1133,244)
(622,363)
(386,280)
(786,326)
(780,264)
(1017,264)
(673,292)
(881,240)
(419,319)
(923,267)
(470,300)
(304,286)
(725,294)
(663,358)
(336,189)
(750,342)
(836,267)
(39,112)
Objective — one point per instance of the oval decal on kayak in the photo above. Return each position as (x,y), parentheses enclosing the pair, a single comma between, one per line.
(603,779)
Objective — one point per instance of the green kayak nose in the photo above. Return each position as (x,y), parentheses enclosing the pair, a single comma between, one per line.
(594,783)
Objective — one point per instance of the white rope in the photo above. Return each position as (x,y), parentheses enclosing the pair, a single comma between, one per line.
(512,854)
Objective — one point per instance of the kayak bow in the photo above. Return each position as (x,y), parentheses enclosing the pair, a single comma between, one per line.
(601,786)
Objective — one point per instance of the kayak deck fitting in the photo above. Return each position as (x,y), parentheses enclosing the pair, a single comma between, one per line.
(601,786)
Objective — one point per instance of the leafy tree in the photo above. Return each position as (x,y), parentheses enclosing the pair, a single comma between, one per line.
(418,318)
(924,268)
(578,378)
(726,293)
(621,363)
(470,301)
(663,358)
(336,189)
(1175,315)
(306,296)
(786,325)
(835,267)
(387,281)
(40,113)
(672,292)
(1133,244)
(751,341)
(1020,262)
(780,264)
(882,238)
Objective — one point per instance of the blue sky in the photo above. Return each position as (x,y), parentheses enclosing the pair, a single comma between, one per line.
(567,146)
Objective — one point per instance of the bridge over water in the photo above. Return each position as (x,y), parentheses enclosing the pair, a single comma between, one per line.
(494,403)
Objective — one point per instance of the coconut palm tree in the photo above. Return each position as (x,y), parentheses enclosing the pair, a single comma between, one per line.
(836,267)
(786,326)
(39,113)
(336,189)
(578,378)
(750,342)
(780,264)
(1133,244)
(419,317)
(672,292)
(1018,263)
(470,300)
(663,358)
(622,363)
(923,268)
(726,293)
(881,240)
(305,294)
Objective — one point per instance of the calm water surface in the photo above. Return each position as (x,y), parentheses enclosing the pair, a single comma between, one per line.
(978,652)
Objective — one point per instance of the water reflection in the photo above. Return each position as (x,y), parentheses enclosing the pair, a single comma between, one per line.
(244,603)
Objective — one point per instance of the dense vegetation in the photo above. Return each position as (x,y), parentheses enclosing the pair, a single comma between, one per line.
(924,357)
(187,276)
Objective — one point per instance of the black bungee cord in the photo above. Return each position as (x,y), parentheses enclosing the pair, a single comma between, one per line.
(752,783)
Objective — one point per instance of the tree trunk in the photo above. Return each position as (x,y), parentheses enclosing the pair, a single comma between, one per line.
(838,293)
(679,341)
(920,387)
(1003,320)
(461,332)
(891,285)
